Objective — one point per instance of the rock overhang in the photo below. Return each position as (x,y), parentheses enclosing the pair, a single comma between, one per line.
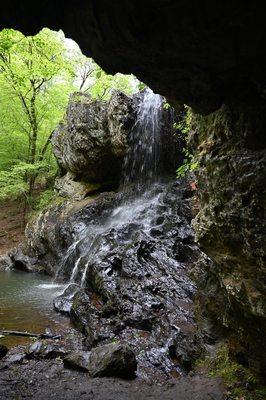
(200,54)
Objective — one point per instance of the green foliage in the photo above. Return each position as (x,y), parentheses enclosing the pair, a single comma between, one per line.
(242,384)
(166,106)
(189,164)
(90,78)
(34,87)
(44,200)
(13,182)
(37,74)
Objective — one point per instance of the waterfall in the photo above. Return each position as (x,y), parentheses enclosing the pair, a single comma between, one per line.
(141,164)
(141,167)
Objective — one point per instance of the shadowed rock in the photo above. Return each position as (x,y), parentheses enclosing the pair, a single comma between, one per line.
(113,359)
(3,351)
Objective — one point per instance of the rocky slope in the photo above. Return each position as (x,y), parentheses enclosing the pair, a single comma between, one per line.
(111,246)
(137,259)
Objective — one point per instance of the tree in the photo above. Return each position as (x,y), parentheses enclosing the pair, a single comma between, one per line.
(91,79)
(35,76)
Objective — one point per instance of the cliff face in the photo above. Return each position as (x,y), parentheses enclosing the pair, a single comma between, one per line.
(90,143)
(230,149)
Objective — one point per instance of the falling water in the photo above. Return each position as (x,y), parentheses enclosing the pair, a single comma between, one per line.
(141,164)
(75,270)
(141,167)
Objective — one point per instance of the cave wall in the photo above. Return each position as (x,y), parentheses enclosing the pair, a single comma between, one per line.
(230,148)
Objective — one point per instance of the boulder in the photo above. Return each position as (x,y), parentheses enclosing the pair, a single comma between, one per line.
(63,303)
(78,360)
(114,359)
(15,355)
(92,138)
(21,261)
(5,263)
(45,350)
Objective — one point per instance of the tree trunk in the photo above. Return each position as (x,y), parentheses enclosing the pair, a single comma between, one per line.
(33,139)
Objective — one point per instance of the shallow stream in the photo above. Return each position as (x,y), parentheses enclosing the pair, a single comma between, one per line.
(26,304)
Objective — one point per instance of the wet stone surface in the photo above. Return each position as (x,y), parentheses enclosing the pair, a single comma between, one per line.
(130,265)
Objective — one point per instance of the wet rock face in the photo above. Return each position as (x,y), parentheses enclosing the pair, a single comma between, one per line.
(137,287)
(230,149)
(91,142)
(64,302)
(183,50)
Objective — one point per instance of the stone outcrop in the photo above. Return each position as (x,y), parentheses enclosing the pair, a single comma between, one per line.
(230,149)
(67,186)
(90,143)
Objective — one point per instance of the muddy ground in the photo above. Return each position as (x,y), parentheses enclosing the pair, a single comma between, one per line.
(43,380)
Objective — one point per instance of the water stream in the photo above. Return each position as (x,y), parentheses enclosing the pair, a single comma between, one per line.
(26,304)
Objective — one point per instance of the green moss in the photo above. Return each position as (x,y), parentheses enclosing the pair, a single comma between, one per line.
(241,382)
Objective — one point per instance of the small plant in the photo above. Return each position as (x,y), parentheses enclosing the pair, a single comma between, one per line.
(189,164)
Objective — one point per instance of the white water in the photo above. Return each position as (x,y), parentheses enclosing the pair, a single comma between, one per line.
(75,270)
(51,286)
(142,161)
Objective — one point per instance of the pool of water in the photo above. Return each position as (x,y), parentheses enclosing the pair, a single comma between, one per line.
(26,304)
